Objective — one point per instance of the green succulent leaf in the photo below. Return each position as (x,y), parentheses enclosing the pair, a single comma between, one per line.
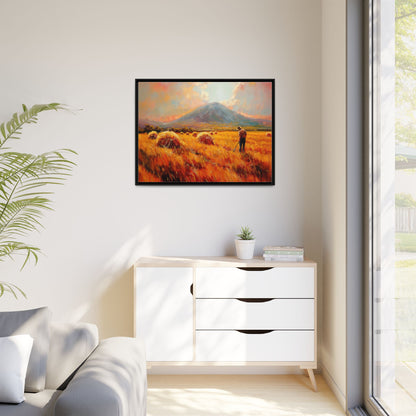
(245,234)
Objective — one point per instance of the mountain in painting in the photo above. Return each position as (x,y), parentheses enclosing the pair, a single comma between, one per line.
(217,116)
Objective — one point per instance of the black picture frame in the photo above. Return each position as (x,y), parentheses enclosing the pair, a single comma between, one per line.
(140,129)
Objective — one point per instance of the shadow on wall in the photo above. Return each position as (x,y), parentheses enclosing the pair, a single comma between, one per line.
(116,306)
(112,305)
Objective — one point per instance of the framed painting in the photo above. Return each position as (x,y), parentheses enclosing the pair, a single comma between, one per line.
(204,131)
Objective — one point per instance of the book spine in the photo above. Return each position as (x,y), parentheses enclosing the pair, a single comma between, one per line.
(283,248)
(284,252)
(282,258)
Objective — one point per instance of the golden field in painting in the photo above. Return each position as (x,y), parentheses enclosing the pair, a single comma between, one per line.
(198,162)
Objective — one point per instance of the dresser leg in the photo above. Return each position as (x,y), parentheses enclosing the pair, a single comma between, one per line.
(312,378)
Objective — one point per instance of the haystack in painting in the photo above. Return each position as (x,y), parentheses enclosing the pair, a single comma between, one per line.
(168,139)
(205,138)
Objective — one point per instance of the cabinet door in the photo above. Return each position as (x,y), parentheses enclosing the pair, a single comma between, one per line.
(164,312)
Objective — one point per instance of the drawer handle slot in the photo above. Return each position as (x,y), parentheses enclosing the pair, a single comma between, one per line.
(255,269)
(254,331)
(255,300)
(191,289)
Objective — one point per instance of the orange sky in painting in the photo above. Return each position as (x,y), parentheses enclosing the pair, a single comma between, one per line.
(167,101)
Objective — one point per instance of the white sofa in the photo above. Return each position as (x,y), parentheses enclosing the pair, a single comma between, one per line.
(84,377)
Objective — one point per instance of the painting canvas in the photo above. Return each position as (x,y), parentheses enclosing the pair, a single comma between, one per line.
(205,131)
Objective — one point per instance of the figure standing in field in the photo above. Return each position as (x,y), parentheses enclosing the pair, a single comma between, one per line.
(242,134)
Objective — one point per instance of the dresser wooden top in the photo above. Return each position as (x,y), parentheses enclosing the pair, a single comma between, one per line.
(230,261)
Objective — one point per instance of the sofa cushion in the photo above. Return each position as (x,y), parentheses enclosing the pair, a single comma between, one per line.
(70,346)
(34,322)
(36,404)
(14,358)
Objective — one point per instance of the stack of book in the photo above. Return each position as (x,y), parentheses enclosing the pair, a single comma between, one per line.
(278,253)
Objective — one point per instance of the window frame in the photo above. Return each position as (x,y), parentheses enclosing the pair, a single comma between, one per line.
(371,81)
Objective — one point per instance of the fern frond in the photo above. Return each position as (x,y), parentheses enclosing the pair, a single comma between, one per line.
(25,188)
(11,129)
(21,176)
(13,289)
(11,248)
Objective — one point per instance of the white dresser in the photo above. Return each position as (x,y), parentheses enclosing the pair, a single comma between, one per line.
(225,311)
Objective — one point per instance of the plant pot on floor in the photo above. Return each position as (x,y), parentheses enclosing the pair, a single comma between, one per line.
(245,249)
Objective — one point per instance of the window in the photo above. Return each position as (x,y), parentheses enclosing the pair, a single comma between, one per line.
(392,197)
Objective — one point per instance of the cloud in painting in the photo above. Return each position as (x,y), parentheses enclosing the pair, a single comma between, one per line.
(166,101)
(253,99)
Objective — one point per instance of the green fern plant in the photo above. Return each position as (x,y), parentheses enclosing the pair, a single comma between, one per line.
(25,181)
(245,234)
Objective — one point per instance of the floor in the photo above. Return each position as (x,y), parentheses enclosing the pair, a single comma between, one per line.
(236,395)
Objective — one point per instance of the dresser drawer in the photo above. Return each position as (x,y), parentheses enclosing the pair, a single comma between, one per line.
(233,346)
(277,282)
(273,314)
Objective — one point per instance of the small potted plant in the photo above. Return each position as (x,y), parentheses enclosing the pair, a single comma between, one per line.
(245,243)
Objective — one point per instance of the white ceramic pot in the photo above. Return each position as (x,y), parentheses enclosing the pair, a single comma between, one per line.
(245,249)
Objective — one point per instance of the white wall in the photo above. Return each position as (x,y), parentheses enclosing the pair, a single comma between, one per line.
(334,196)
(87,54)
